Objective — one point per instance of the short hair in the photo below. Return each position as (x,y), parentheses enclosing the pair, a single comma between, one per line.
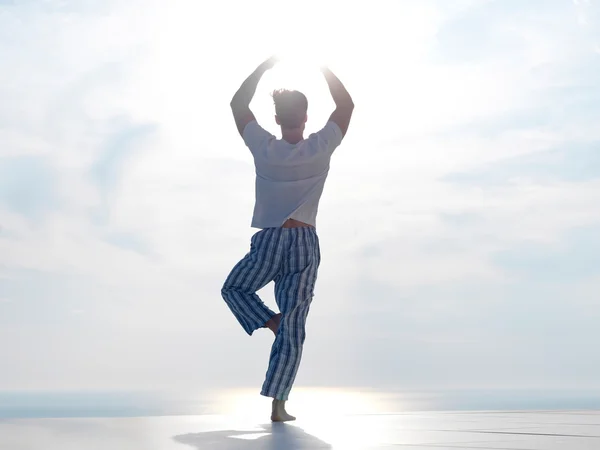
(290,107)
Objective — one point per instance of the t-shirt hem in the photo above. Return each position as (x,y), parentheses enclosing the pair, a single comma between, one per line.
(265,226)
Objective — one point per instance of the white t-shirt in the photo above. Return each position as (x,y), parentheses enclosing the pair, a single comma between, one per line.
(289,177)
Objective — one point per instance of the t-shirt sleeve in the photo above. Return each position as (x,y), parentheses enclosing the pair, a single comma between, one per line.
(256,137)
(329,137)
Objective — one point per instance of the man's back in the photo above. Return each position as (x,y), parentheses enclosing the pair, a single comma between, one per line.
(289,177)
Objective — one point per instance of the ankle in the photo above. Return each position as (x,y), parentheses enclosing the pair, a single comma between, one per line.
(273,323)
(279,414)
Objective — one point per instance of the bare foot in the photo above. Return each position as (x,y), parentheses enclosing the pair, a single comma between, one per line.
(273,323)
(279,414)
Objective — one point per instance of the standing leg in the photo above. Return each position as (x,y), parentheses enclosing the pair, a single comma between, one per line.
(294,292)
(259,267)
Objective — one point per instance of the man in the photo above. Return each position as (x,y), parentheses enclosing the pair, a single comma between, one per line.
(290,175)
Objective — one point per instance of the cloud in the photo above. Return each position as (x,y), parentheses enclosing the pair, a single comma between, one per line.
(575,163)
(574,258)
(28,186)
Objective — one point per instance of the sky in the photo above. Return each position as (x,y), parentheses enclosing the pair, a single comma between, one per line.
(459,226)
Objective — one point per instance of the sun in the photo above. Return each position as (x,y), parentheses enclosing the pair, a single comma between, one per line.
(291,73)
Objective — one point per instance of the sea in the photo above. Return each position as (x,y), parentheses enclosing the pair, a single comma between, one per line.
(74,404)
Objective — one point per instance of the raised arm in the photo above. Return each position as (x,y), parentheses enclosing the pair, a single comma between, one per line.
(240,103)
(343,102)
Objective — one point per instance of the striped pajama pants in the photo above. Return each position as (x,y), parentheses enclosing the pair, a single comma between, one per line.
(290,257)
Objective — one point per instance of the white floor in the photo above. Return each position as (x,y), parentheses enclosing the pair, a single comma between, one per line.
(418,431)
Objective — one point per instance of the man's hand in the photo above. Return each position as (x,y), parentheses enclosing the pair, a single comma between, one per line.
(269,63)
(240,103)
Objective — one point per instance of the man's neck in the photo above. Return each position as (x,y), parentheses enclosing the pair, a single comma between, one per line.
(292,135)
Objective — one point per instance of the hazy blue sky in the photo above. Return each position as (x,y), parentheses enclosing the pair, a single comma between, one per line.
(460,225)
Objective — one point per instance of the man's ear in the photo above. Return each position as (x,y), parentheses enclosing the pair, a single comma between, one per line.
(305,118)
(277,121)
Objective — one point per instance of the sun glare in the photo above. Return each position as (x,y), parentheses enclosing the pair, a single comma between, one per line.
(292,74)
(322,412)
(307,402)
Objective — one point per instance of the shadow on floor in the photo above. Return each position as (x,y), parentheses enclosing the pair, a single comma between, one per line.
(276,436)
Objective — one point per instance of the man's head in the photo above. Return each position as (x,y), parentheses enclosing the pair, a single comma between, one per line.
(290,108)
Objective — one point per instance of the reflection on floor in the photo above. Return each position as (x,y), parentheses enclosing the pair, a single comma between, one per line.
(539,430)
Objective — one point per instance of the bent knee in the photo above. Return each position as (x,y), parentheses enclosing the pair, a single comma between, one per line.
(227,291)
(225,288)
